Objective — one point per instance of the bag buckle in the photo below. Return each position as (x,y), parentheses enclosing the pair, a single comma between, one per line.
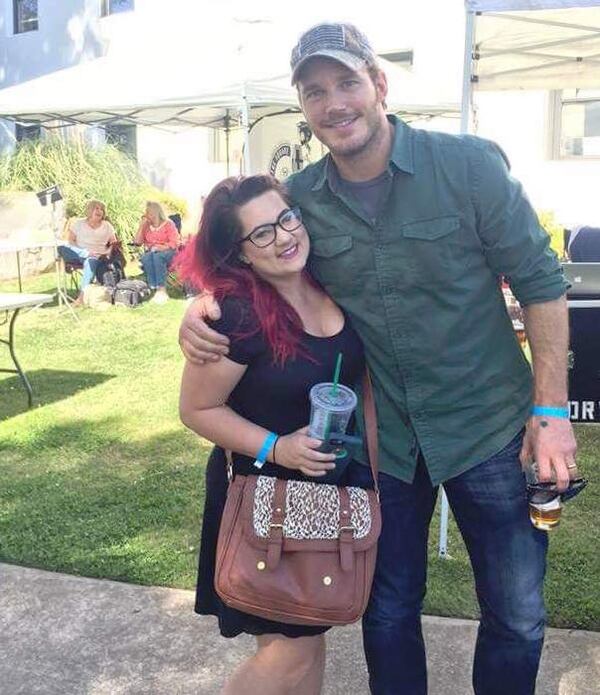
(347,528)
(274,547)
(275,526)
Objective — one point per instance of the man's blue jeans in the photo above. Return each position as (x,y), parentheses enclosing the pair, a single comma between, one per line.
(75,254)
(508,557)
(156,266)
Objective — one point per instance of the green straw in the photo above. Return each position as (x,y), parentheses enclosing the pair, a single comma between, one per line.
(336,376)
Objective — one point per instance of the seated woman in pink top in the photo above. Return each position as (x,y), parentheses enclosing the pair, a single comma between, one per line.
(160,239)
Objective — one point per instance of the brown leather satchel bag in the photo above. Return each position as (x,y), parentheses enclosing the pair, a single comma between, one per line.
(300,552)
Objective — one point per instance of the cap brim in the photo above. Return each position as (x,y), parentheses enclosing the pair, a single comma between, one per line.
(350,60)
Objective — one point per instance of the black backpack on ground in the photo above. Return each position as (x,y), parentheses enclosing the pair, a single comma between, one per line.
(112,276)
(130,292)
(111,266)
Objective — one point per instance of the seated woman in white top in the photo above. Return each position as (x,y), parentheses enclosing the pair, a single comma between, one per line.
(89,242)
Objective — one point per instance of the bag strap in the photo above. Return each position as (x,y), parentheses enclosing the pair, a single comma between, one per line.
(370,415)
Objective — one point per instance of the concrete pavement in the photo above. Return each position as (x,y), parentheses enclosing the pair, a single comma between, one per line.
(66,635)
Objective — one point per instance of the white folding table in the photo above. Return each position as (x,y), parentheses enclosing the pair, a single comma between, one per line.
(11,304)
(35,247)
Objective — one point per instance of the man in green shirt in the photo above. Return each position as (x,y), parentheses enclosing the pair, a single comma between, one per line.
(411,233)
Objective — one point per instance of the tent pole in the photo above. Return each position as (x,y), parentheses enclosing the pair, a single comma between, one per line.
(444,513)
(467,85)
(246,126)
(465,114)
(227,122)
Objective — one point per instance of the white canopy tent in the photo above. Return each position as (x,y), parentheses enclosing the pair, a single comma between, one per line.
(527,44)
(194,87)
(104,90)
(530,44)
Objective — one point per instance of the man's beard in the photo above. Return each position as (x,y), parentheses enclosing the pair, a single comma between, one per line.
(350,150)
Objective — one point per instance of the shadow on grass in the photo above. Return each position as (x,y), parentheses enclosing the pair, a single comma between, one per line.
(85,498)
(49,386)
(81,499)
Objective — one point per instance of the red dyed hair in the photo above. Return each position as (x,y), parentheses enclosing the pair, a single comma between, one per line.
(210,260)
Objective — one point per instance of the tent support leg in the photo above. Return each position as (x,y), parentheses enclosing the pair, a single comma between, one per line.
(246,126)
(467,86)
(465,114)
(443,545)
(227,126)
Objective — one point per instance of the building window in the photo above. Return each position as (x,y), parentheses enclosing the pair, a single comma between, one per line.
(26,133)
(575,118)
(113,6)
(26,15)
(123,137)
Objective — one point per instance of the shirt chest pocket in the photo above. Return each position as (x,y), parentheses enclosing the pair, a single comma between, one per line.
(334,264)
(435,249)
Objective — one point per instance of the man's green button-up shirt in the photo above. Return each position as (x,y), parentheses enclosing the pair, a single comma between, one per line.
(421,286)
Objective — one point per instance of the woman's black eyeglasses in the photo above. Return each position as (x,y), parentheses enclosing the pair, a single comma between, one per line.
(265,234)
(542,493)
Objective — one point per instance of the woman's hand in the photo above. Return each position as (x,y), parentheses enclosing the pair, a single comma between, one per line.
(298,452)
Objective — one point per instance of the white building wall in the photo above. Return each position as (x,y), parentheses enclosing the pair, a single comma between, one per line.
(72,32)
(69,33)
(180,163)
(519,123)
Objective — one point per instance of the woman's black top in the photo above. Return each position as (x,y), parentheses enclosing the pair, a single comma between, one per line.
(275,397)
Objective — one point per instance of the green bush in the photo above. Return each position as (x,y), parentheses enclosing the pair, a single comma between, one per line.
(84,172)
(554,230)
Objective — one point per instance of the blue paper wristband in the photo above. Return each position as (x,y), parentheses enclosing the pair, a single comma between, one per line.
(545,411)
(261,457)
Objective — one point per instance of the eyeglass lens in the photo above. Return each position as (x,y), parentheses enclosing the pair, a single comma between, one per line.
(289,220)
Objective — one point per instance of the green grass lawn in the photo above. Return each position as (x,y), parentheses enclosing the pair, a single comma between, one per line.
(100,478)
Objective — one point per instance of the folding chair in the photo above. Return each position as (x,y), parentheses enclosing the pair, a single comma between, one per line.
(74,271)
(68,278)
(172,280)
(68,273)
(136,250)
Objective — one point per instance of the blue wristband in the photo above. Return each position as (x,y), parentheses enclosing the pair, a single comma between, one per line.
(261,457)
(544,411)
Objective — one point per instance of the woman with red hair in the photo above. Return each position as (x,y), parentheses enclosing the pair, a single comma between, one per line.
(285,334)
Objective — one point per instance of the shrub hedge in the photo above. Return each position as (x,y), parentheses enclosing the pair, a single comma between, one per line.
(85,172)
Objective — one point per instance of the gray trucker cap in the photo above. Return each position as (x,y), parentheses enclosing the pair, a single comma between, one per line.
(341,42)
